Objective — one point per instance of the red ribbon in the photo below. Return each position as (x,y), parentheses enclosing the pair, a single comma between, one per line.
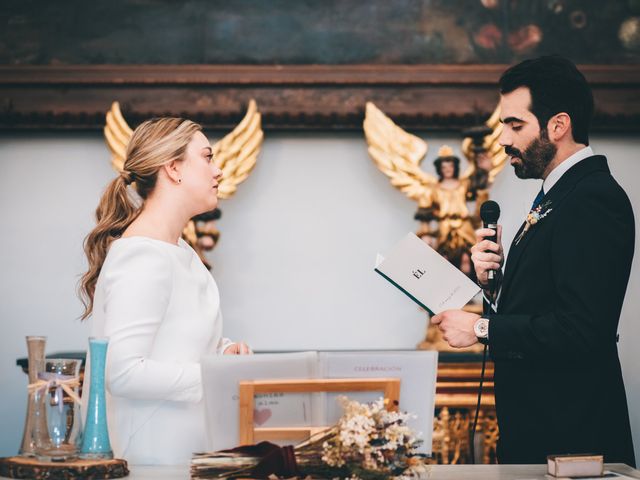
(275,460)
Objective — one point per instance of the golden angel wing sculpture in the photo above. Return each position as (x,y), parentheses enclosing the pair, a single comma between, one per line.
(236,155)
(442,200)
(117,134)
(495,155)
(398,155)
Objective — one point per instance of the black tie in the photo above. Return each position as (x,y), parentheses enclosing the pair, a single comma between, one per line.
(538,199)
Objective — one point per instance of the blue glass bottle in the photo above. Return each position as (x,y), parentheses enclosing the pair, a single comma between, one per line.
(95,442)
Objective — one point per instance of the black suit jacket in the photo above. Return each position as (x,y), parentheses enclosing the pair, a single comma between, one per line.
(558,382)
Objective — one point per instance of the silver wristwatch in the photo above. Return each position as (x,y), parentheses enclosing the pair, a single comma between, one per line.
(481,329)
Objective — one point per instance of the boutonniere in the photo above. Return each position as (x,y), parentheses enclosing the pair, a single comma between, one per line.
(535,215)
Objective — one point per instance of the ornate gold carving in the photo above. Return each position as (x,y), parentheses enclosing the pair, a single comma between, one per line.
(490,435)
(456,399)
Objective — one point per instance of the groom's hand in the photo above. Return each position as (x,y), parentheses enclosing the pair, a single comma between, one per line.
(457,327)
(487,255)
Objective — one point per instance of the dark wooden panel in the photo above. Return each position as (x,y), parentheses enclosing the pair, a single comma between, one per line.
(431,97)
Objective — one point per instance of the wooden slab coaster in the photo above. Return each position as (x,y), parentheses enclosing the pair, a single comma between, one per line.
(25,467)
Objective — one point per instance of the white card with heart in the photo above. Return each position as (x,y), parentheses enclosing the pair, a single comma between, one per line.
(220,377)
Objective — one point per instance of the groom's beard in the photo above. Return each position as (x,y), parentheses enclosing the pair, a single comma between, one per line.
(536,157)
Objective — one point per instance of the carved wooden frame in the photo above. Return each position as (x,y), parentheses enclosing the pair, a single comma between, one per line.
(248,389)
(291,97)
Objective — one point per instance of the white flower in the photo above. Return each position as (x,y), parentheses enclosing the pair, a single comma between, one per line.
(357,441)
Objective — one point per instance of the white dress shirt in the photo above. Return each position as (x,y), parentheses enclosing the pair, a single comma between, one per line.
(160,308)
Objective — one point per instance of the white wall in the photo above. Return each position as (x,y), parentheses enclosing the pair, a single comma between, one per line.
(294,265)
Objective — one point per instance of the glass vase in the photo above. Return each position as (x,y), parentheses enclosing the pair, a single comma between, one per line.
(57,395)
(34,423)
(95,440)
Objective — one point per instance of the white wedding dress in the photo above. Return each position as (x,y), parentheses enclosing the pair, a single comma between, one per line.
(160,308)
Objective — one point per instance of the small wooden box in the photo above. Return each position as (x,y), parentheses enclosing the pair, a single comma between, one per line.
(575,465)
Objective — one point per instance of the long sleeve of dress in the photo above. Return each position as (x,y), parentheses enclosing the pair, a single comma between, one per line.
(138,290)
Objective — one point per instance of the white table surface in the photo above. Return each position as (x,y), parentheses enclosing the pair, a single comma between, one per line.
(444,472)
(438,472)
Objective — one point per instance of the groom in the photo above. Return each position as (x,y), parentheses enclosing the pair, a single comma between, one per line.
(558,383)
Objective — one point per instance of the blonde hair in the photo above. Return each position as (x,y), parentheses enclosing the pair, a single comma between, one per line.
(153,144)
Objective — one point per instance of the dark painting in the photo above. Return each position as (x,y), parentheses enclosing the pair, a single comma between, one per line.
(262,32)
(309,64)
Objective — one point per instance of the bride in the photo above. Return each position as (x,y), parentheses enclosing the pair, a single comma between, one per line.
(147,290)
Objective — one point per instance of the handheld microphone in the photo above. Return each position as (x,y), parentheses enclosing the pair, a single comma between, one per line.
(490,213)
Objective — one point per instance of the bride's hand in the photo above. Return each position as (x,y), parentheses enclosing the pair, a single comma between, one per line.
(239,348)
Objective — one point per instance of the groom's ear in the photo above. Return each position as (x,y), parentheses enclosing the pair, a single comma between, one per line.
(559,126)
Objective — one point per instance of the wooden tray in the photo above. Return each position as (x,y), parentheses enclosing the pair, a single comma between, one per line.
(25,467)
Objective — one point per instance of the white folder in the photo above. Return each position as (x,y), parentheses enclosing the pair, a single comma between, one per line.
(425,276)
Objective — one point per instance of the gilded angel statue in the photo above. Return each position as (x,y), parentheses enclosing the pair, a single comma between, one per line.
(236,155)
(446,223)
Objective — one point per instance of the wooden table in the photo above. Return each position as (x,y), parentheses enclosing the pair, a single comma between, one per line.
(438,472)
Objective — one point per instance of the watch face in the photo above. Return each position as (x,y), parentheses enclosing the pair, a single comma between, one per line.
(481,328)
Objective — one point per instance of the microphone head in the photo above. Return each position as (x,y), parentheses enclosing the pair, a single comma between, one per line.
(490,212)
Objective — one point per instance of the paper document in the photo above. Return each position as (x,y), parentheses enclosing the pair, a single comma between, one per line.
(425,276)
